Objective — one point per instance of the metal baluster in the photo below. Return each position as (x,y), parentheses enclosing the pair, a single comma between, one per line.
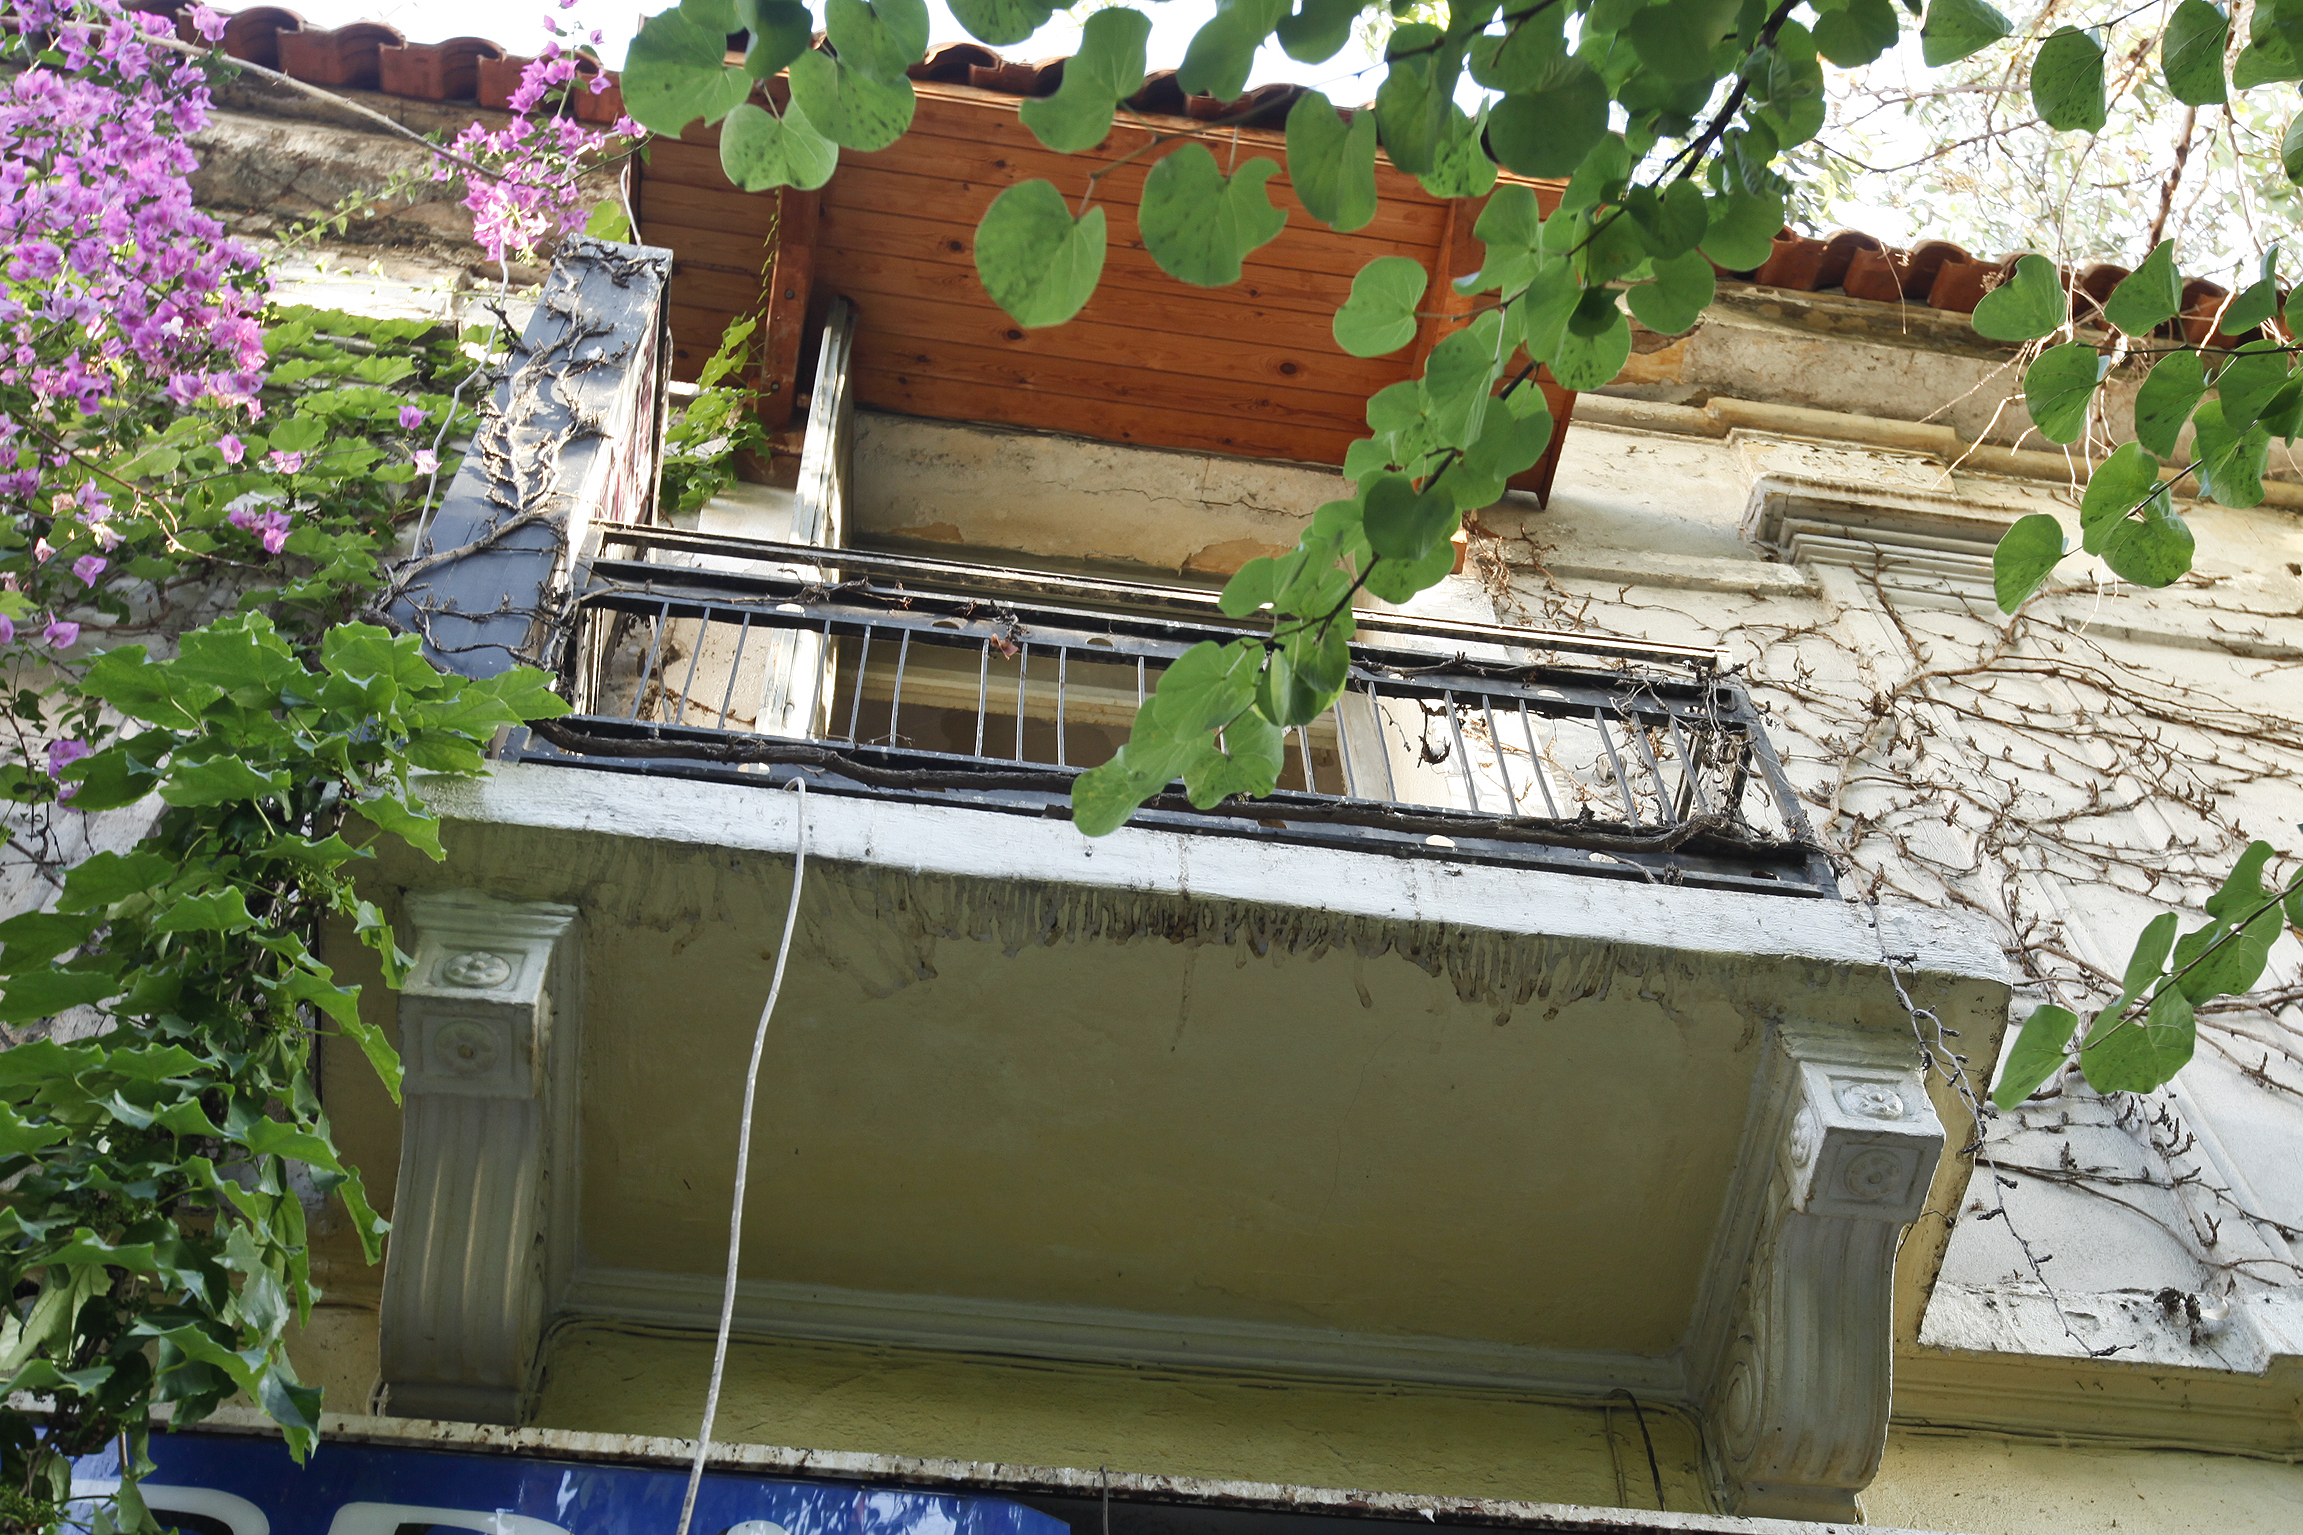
(648,668)
(1638,733)
(1023,668)
(1462,757)
(1343,745)
(688,683)
(728,694)
(1382,746)
(856,699)
(1502,763)
(1535,762)
(1063,671)
(1630,804)
(1139,682)
(1687,760)
(896,699)
(1303,747)
(983,691)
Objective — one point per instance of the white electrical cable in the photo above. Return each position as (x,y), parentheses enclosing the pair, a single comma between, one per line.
(744,1158)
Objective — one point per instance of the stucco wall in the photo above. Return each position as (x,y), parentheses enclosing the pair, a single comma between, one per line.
(1995,1486)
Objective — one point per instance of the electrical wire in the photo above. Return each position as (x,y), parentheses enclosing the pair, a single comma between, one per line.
(744,1158)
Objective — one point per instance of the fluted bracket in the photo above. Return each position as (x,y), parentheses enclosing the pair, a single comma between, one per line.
(1793,1343)
(485,1021)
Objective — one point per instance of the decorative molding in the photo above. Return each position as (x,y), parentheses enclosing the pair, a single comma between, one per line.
(1791,1354)
(485,1026)
(766,1309)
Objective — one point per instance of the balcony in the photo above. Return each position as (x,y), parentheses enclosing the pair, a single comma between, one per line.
(1515,1046)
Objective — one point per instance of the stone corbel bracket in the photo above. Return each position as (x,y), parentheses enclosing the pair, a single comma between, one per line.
(1793,1343)
(486,1026)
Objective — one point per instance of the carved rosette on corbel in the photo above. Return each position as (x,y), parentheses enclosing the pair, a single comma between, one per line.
(1794,1341)
(485,1026)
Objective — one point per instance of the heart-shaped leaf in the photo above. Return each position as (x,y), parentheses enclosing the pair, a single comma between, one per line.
(1956,28)
(1198,223)
(1035,260)
(2248,381)
(1106,69)
(675,74)
(2153,550)
(2067,82)
(1403,523)
(1222,51)
(759,150)
(2165,402)
(1854,34)
(2027,554)
(879,38)
(2231,463)
(1318,30)
(853,109)
(1549,131)
(2117,489)
(2150,294)
(2039,1052)
(1000,22)
(1742,229)
(1332,165)
(2139,1054)
(1461,168)
(1683,288)
(1380,316)
(1595,344)
(2027,306)
(2191,53)
(2059,386)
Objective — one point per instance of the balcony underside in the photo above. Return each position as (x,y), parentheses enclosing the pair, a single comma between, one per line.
(1158,1096)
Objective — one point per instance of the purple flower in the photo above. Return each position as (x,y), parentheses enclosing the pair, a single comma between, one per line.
(42,550)
(232,448)
(284,461)
(61,634)
(210,24)
(62,754)
(411,417)
(427,462)
(7,630)
(88,567)
(273,526)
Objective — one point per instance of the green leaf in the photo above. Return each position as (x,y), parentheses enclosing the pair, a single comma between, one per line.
(2291,150)
(2246,383)
(1107,68)
(1206,687)
(2242,890)
(2148,960)
(606,221)
(1679,39)
(105,879)
(219,781)
(1513,439)
(879,38)
(411,825)
(1795,102)
(2191,53)
(780,30)
(1247,762)
(2038,1054)
(1104,797)
(2030,304)
(2165,402)
(1956,28)
(1034,259)
(2118,488)
(1331,164)
(1595,344)
(2026,556)
(1412,103)
(2149,295)
(222,911)
(1683,288)
(2231,463)
(1671,223)
(36,937)
(1198,223)
(1742,230)
(1000,22)
(2059,386)
(2140,1054)
(1380,314)
(1223,50)
(853,109)
(2067,82)
(1548,132)
(1319,29)
(759,150)
(1854,34)
(45,993)
(2153,551)
(20,1137)
(675,73)
(1403,523)
(1399,581)
(1462,168)
(2224,960)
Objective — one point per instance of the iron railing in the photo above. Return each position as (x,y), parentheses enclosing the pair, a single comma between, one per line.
(961,684)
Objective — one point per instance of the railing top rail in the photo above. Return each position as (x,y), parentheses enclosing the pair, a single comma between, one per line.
(963,575)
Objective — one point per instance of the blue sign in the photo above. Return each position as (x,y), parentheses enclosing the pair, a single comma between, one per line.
(214,1484)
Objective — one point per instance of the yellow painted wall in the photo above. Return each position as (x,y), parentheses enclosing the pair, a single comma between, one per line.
(907,1402)
(1986,1485)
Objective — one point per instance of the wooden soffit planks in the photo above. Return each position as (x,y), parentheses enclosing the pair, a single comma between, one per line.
(1250,369)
